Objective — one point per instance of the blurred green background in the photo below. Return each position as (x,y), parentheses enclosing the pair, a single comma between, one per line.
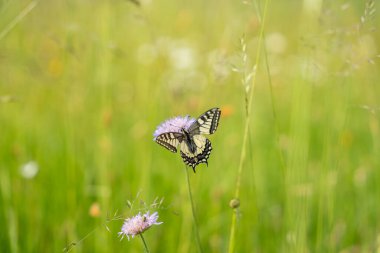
(83,85)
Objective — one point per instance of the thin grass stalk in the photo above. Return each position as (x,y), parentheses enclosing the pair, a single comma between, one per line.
(232,241)
(9,212)
(18,18)
(196,230)
(277,130)
(145,245)
(275,121)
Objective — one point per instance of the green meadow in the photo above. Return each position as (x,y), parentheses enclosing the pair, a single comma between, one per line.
(295,165)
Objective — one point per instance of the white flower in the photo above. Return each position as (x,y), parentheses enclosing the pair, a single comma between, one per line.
(182,57)
(29,169)
(276,43)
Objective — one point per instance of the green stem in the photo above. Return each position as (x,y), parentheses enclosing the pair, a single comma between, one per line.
(197,238)
(232,243)
(145,246)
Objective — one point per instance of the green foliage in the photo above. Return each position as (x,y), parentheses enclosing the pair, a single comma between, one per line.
(83,85)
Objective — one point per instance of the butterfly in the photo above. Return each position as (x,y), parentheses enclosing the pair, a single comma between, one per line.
(194,147)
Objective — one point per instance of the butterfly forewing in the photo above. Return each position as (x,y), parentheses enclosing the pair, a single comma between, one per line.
(170,140)
(207,123)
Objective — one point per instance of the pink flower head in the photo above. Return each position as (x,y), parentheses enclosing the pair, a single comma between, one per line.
(138,224)
(174,125)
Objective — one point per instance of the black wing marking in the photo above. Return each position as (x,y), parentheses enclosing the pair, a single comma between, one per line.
(207,123)
(170,140)
(201,154)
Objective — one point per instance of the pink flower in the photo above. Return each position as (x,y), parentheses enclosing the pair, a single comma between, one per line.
(174,125)
(138,224)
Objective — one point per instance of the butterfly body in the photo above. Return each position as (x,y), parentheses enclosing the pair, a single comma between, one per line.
(194,147)
(189,141)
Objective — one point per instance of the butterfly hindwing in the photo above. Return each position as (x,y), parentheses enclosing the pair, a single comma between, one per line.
(170,140)
(207,123)
(201,154)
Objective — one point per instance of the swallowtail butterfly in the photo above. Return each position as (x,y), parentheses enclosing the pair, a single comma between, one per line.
(194,147)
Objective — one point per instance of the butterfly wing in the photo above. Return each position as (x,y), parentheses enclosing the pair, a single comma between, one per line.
(170,140)
(201,154)
(207,123)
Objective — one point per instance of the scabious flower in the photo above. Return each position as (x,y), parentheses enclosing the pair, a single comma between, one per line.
(138,224)
(174,125)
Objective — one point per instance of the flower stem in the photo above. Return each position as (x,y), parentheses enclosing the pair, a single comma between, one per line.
(146,246)
(197,238)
